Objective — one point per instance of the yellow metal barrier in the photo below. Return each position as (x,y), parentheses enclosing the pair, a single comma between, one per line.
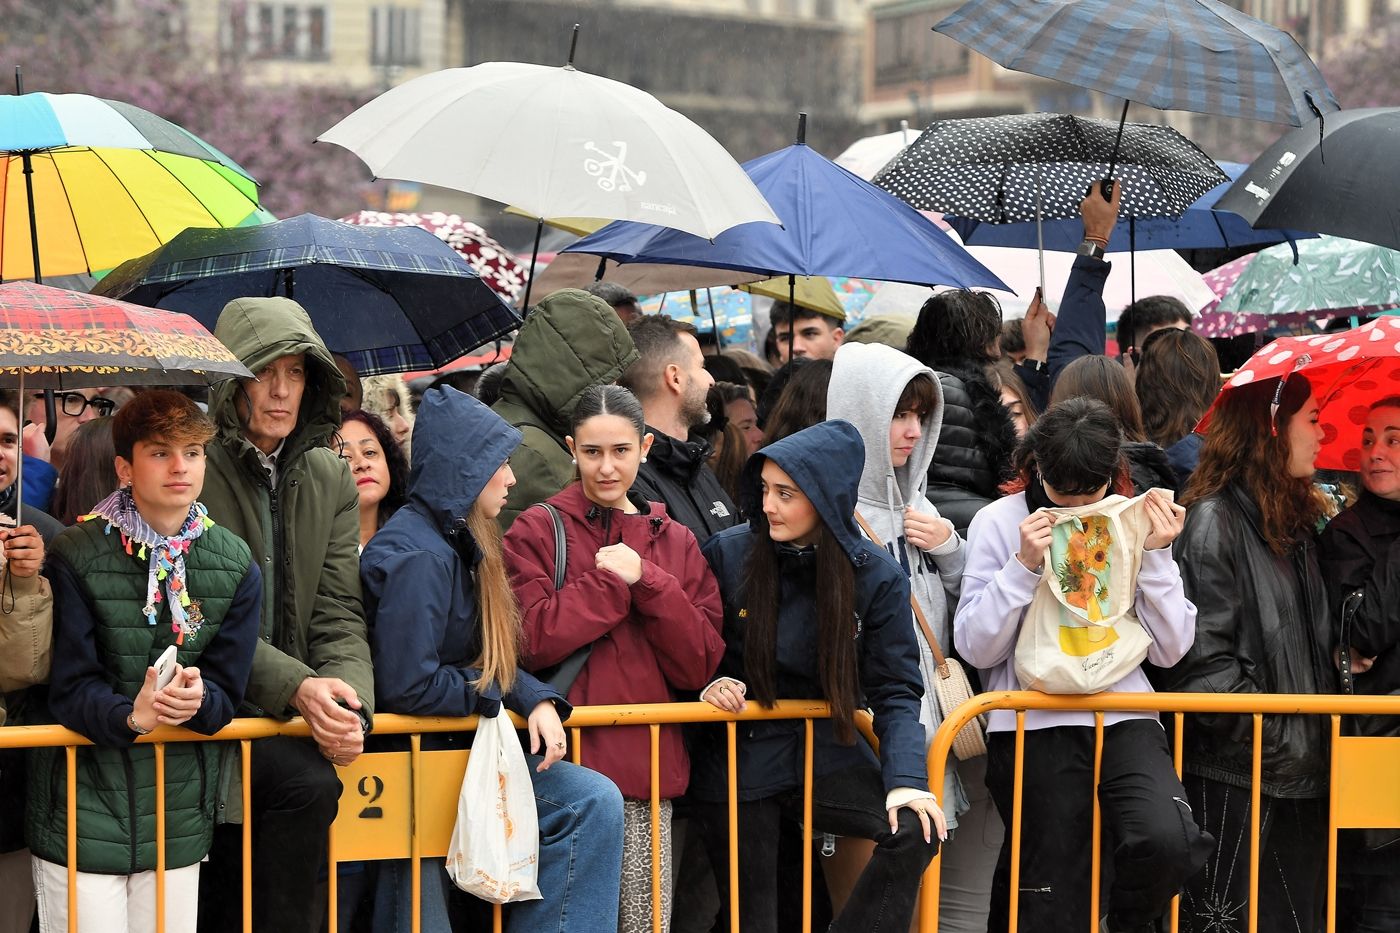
(1356,765)
(388,808)
(388,794)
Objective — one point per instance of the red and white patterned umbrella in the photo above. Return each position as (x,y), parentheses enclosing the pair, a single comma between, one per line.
(496,265)
(1347,370)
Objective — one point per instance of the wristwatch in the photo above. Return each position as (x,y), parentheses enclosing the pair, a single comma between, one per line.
(1035,366)
(1091,249)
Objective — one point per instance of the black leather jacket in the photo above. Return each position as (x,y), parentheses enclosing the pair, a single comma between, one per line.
(1262,626)
(973,456)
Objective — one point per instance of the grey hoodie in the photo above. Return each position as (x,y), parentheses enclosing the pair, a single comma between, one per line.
(866,383)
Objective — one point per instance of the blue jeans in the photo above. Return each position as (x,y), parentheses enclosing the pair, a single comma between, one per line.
(580,817)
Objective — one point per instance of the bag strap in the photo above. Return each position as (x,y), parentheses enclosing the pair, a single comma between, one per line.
(561,545)
(939,659)
(1349,609)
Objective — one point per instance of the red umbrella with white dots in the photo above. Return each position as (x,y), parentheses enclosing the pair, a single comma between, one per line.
(1348,371)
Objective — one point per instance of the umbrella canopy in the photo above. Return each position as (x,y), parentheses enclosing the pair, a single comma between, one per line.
(833,224)
(1330,275)
(496,265)
(390,299)
(1038,165)
(555,142)
(1159,272)
(865,157)
(110,181)
(1348,371)
(56,339)
(813,292)
(1333,176)
(1198,55)
(1198,227)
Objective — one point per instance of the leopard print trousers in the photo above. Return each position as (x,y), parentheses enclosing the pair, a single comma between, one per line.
(634,910)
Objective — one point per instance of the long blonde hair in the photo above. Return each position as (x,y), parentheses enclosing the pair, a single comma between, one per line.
(499,613)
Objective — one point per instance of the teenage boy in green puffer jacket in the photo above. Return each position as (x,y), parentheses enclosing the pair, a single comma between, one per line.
(147,570)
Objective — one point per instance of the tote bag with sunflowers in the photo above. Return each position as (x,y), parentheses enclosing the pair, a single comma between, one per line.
(1080,634)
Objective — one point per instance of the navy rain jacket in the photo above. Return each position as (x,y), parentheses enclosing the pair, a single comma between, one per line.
(418,571)
(825,461)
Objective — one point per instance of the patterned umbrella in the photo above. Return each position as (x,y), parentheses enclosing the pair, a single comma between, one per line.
(495,264)
(1348,371)
(51,338)
(109,181)
(1197,55)
(1032,166)
(1330,275)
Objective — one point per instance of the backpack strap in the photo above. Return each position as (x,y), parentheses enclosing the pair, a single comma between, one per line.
(562,677)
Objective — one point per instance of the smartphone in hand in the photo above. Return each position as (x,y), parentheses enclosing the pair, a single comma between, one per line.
(165,668)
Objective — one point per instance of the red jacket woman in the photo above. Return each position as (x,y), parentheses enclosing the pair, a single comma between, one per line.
(636,589)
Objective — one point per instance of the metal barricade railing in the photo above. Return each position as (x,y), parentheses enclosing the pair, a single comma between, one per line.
(1351,757)
(246,731)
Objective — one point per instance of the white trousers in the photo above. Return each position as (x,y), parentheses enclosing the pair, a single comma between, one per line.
(116,903)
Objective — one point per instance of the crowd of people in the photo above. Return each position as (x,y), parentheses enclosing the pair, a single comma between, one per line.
(621,514)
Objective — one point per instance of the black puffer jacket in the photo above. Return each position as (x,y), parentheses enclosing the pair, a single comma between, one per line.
(973,457)
(1149,467)
(1262,626)
(675,474)
(1360,550)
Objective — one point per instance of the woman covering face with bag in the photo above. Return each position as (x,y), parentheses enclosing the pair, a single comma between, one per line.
(1071,457)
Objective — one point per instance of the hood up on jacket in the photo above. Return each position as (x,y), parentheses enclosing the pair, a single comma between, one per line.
(866,383)
(260,331)
(825,461)
(570,341)
(445,480)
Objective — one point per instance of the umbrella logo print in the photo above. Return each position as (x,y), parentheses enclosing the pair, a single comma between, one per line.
(611,168)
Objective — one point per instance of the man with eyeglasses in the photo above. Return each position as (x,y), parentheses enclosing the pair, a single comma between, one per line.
(72,407)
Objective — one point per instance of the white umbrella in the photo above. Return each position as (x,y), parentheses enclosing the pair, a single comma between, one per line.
(865,157)
(1159,272)
(554,142)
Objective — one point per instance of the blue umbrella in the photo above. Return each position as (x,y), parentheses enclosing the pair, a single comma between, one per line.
(391,299)
(834,223)
(1199,227)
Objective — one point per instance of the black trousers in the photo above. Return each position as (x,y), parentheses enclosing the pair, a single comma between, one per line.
(846,803)
(296,794)
(1292,867)
(1150,847)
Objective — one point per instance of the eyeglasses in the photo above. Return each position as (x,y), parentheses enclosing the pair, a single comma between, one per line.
(73,404)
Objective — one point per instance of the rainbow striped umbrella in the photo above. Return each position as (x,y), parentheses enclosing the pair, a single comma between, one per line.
(87,183)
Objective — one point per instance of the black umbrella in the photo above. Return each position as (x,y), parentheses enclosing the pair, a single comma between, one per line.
(1338,178)
(1037,166)
(1022,167)
(391,299)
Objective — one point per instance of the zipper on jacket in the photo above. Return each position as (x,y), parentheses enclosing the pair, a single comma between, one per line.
(131,802)
(277,555)
(199,762)
(607,526)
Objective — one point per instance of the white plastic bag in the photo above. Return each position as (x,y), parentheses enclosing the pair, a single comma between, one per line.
(495,848)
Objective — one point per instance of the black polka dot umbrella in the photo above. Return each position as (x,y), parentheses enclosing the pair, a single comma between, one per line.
(1023,167)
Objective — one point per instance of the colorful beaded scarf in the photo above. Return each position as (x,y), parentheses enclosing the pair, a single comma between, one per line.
(167,557)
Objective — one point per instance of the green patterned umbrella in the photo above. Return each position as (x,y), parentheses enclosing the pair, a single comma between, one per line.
(1331,274)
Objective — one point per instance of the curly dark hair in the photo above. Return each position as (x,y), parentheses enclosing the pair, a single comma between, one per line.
(393,456)
(957,326)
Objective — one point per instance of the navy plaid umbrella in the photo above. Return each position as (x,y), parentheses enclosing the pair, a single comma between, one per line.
(1038,165)
(1197,55)
(391,299)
